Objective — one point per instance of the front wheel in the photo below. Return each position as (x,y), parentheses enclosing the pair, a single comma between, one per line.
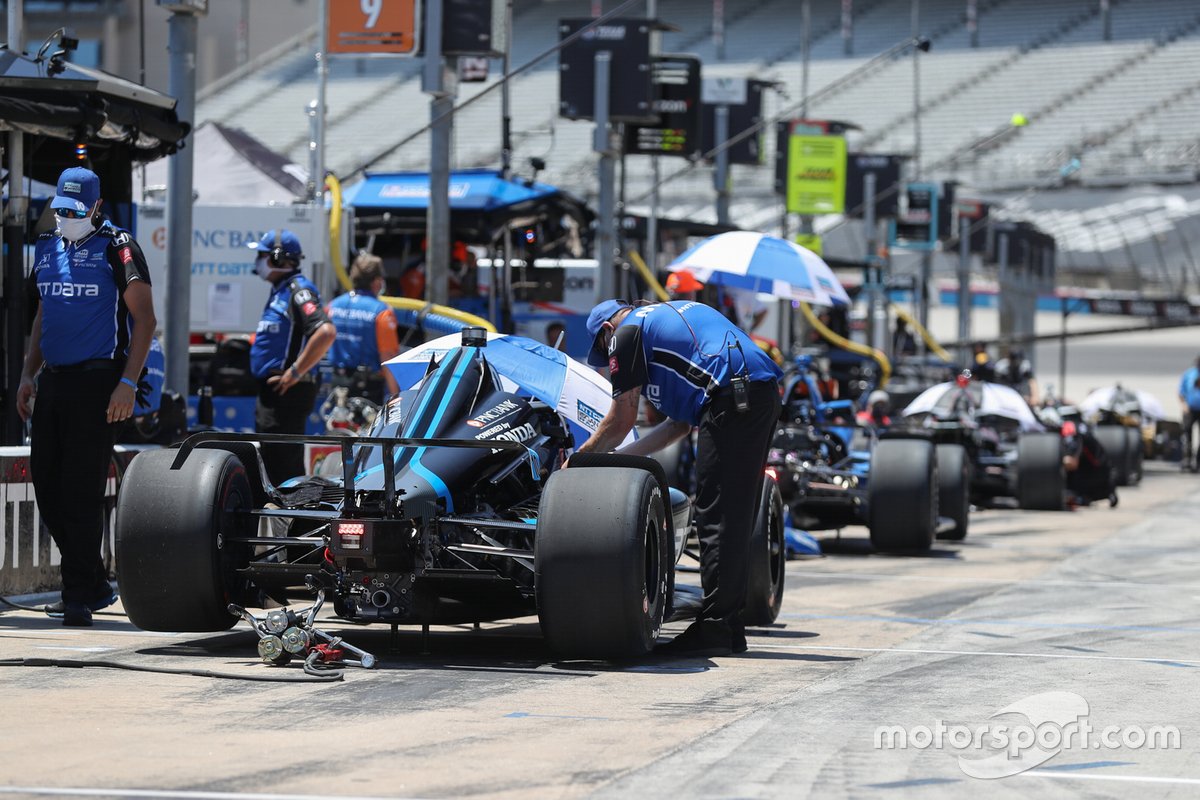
(768,558)
(602,562)
(176,563)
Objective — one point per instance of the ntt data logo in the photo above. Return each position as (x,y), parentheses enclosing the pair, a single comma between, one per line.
(1025,735)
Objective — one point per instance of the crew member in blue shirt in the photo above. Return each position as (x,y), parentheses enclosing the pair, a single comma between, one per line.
(366,333)
(1189,406)
(88,344)
(291,339)
(699,370)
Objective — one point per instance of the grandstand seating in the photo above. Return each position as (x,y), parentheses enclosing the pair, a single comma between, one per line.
(1113,104)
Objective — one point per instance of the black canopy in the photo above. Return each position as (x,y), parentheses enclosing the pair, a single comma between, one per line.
(87,106)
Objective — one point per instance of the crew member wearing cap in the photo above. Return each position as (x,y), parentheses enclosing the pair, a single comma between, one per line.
(366,333)
(698,369)
(292,336)
(86,352)
(878,410)
(682,285)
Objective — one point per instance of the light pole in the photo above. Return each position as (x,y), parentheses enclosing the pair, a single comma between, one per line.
(181,44)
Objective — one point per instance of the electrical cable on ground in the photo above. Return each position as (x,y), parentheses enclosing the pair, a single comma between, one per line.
(4,601)
(308,677)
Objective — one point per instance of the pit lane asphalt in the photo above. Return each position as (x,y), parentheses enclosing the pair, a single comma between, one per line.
(1097,602)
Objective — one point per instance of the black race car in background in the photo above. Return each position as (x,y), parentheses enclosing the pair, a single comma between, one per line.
(1011,453)
(454,509)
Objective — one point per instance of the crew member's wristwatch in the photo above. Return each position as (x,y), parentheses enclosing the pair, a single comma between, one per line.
(292,371)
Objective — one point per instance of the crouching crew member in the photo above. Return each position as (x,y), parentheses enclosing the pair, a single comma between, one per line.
(366,333)
(292,337)
(89,342)
(698,369)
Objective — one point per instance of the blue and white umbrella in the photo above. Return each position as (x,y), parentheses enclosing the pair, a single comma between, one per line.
(576,390)
(763,263)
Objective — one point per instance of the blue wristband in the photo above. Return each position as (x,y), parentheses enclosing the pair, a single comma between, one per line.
(129,383)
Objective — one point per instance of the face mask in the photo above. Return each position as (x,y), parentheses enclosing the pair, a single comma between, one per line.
(262,268)
(74,229)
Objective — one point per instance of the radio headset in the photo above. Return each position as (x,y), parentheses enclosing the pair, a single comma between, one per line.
(275,258)
(740,382)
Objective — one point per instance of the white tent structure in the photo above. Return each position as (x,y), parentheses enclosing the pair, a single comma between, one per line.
(231,167)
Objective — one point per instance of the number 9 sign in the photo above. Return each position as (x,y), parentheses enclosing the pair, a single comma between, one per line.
(373,26)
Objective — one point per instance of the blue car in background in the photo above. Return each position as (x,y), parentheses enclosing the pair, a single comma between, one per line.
(833,473)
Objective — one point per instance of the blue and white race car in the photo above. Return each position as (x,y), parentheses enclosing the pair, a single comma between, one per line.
(453,509)
(833,473)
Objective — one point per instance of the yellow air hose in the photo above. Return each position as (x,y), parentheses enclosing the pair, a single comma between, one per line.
(885,366)
(648,276)
(930,343)
(402,303)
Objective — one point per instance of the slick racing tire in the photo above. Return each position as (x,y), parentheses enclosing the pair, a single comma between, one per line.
(954,489)
(1137,455)
(176,566)
(602,560)
(768,558)
(1040,478)
(1116,443)
(902,495)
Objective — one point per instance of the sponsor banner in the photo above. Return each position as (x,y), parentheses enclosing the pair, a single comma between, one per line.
(816,175)
(1177,309)
(226,294)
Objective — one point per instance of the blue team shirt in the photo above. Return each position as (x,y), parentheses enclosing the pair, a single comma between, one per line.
(81,287)
(681,353)
(292,314)
(1188,389)
(355,315)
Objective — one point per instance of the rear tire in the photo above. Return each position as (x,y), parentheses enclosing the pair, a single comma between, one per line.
(954,489)
(1116,444)
(176,570)
(1136,455)
(1040,478)
(602,561)
(902,495)
(768,559)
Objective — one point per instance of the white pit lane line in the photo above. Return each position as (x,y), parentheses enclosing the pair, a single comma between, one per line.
(981,653)
(873,576)
(1075,776)
(171,794)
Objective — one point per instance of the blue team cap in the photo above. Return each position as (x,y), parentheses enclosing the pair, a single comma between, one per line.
(78,189)
(281,238)
(601,314)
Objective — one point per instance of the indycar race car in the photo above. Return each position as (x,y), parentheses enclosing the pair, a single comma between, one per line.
(454,509)
(1010,452)
(904,488)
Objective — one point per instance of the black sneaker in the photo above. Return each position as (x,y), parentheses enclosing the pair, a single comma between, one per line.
(77,615)
(738,639)
(703,638)
(57,609)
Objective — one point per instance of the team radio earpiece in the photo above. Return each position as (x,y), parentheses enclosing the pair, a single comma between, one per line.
(275,257)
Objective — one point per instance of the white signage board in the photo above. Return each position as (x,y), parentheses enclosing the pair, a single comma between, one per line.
(724,91)
(226,295)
